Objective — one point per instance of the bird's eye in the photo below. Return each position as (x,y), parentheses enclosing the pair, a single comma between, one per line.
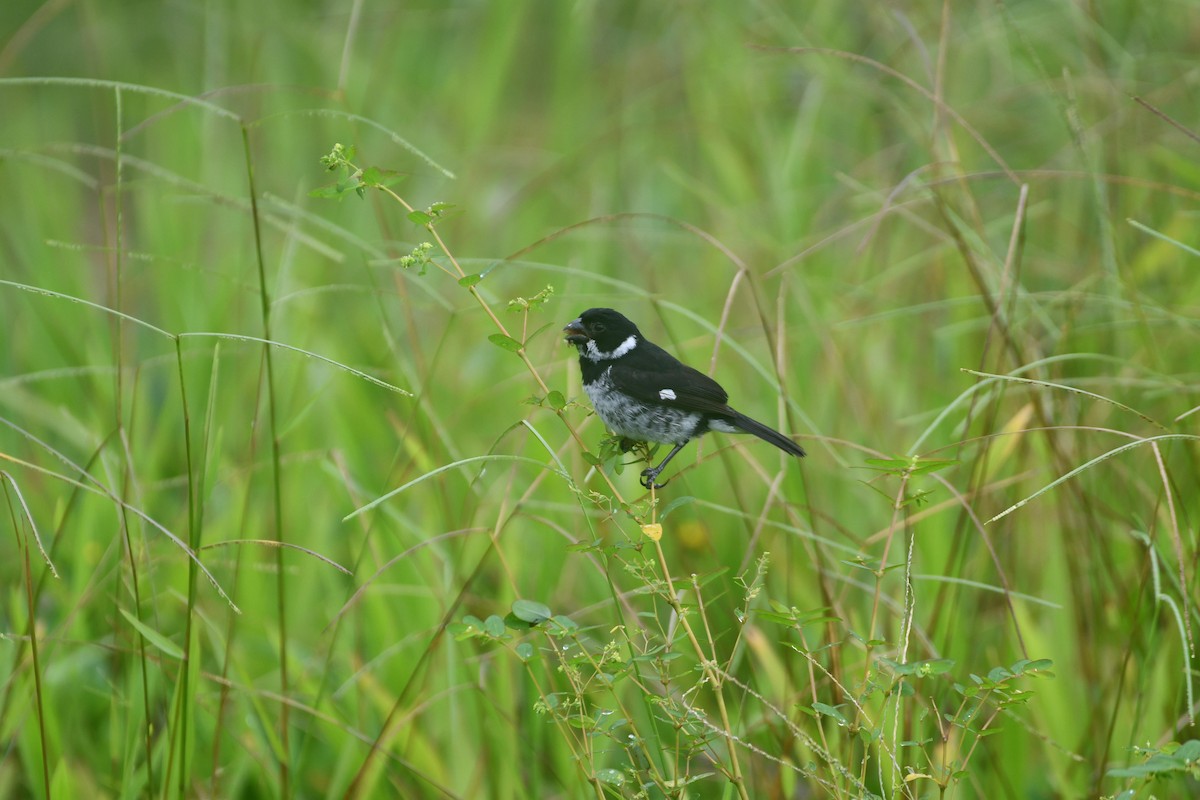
(598,327)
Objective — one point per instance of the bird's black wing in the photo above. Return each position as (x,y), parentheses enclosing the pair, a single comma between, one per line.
(674,386)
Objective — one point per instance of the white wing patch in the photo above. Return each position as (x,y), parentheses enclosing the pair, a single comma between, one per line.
(666,394)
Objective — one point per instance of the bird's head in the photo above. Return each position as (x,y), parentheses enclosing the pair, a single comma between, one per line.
(602,333)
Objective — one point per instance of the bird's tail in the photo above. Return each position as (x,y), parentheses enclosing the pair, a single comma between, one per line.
(771,435)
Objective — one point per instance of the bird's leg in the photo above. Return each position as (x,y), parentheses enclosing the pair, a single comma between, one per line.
(650,475)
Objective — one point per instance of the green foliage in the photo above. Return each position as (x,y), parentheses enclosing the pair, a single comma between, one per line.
(940,243)
(1161,761)
(352,178)
(526,304)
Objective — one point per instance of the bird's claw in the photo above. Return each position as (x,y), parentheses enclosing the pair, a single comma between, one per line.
(649,476)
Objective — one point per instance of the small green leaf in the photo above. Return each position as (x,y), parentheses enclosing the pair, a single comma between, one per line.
(469,280)
(1189,751)
(375,177)
(505,342)
(674,504)
(708,577)
(998,674)
(531,611)
(593,459)
(888,464)
(514,622)
(927,465)
(389,177)
(326,191)
(155,638)
(519,304)
(771,616)
(556,400)
(610,776)
(935,666)
(524,651)
(1156,764)
(494,626)
(830,711)
(912,466)
(419,218)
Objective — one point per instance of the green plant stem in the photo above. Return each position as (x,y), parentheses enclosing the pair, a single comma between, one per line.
(276,470)
(459,272)
(709,666)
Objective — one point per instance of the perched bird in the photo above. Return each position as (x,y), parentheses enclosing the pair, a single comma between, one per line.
(645,394)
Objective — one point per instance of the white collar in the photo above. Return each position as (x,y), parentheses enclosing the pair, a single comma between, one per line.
(594,353)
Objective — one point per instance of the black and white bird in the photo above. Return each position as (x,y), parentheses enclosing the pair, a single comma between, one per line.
(645,394)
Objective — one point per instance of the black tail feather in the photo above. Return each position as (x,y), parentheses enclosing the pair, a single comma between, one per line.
(767,434)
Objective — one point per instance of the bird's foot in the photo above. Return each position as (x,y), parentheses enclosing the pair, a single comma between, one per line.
(649,476)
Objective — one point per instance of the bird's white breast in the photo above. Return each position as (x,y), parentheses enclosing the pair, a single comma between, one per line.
(632,419)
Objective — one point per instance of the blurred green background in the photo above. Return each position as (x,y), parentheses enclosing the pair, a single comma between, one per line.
(833,207)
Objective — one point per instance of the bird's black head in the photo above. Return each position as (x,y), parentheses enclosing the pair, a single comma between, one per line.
(609,330)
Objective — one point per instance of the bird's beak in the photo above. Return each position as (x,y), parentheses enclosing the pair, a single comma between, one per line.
(575,332)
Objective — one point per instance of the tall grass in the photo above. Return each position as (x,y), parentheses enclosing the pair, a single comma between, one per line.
(303,497)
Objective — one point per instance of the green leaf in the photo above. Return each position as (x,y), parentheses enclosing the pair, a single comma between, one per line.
(708,577)
(524,651)
(514,622)
(494,626)
(912,466)
(155,638)
(927,465)
(674,504)
(531,611)
(556,400)
(888,464)
(505,342)
(931,666)
(370,176)
(762,615)
(326,191)
(1188,751)
(1157,764)
(469,280)
(935,666)
(610,776)
(999,674)
(830,711)
(375,177)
